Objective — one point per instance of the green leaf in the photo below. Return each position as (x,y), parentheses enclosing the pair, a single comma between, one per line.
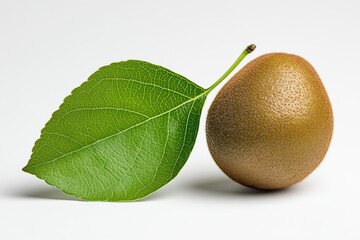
(121,135)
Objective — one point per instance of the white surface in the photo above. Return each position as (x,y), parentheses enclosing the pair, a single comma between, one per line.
(49,47)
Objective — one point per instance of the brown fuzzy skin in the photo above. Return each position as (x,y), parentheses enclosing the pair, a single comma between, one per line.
(271,125)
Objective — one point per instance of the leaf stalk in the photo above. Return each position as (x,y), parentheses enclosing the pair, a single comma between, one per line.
(248,50)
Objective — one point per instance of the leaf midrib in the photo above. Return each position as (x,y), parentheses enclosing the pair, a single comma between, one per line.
(204,93)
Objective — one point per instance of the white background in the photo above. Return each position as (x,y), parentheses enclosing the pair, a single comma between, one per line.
(47,48)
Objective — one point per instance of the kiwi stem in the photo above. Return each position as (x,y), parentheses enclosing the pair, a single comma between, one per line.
(248,50)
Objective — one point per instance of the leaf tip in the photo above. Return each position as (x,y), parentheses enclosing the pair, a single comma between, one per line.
(26,169)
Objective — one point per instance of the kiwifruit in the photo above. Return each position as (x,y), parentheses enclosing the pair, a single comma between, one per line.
(271,125)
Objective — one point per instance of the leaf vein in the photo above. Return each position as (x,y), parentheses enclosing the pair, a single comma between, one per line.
(137,81)
(113,135)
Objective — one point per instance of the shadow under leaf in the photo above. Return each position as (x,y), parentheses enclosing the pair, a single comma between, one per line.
(52,193)
(43,192)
